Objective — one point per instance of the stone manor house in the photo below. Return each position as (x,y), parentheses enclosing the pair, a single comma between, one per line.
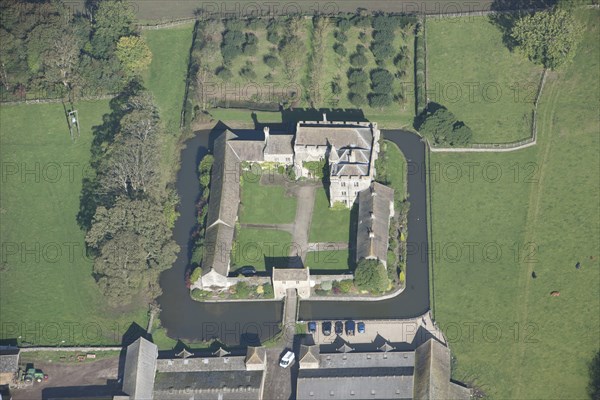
(350,150)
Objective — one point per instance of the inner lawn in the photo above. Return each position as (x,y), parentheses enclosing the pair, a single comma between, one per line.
(527,344)
(266,204)
(396,169)
(252,245)
(325,260)
(331,225)
(474,75)
(53,286)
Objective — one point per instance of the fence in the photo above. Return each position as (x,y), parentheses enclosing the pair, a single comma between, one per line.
(501,147)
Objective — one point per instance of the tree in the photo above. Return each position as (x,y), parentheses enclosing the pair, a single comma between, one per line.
(357,99)
(133,245)
(290,54)
(271,61)
(134,54)
(358,60)
(548,38)
(371,275)
(381,80)
(379,100)
(340,49)
(382,50)
(442,127)
(112,20)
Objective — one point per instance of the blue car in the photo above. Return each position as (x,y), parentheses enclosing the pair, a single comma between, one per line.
(312,327)
(361,327)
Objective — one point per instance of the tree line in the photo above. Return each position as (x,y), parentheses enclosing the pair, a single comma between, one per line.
(51,51)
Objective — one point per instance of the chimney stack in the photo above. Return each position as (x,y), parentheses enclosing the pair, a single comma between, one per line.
(324,117)
(266,131)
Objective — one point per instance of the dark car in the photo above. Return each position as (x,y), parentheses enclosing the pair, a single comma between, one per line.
(350,328)
(339,327)
(312,327)
(360,327)
(247,270)
(326,327)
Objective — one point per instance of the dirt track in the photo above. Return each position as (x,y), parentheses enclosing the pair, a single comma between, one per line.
(74,379)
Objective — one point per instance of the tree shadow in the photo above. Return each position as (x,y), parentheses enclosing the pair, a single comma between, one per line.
(594,375)
(92,195)
(505,13)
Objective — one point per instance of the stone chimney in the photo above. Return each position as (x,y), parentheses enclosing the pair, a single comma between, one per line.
(266,131)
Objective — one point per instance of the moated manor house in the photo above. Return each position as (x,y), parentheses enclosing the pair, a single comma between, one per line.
(349,148)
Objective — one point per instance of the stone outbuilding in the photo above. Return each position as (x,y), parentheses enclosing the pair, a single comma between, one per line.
(291,278)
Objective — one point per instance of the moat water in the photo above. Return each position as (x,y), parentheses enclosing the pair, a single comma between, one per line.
(250,323)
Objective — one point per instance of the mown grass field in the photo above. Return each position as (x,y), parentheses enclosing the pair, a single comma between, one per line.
(46,284)
(253,245)
(328,260)
(330,225)
(542,214)
(396,169)
(266,204)
(474,75)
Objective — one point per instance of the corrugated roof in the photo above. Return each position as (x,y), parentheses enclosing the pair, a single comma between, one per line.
(9,359)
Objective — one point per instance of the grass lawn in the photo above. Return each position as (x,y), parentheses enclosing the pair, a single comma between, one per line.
(526,344)
(396,169)
(253,245)
(166,80)
(266,204)
(328,260)
(328,225)
(46,282)
(474,75)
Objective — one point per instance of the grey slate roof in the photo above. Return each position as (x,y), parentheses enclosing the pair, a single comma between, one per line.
(234,385)
(218,242)
(290,274)
(373,222)
(432,373)
(140,367)
(247,150)
(337,135)
(9,359)
(279,144)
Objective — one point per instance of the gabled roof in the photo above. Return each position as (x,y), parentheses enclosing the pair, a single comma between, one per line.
(256,355)
(373,222)
(309,354)
(140,368)
(432,373)
(279,144)
(332,134)
(247,150)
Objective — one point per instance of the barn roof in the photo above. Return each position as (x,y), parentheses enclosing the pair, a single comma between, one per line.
(373,222)
(140,368)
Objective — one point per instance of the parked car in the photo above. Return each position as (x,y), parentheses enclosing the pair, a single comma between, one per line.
(312,327)
(287,359)
(326,328)
(247,270)
(350,328)
(360,327)
(339,327)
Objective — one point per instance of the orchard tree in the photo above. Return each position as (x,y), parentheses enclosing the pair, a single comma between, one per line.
(548,38)
(134,54)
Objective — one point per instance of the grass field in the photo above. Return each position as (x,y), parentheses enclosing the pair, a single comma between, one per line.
(542,213)
(396,169)
(46,283)
(328,260)
(328,224)
(266,204)
(474,75)
(166,80)
(253,245)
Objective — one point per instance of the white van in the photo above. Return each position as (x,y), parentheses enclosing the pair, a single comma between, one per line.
(287,359)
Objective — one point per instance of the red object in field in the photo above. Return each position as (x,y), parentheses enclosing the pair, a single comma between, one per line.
(45,377)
